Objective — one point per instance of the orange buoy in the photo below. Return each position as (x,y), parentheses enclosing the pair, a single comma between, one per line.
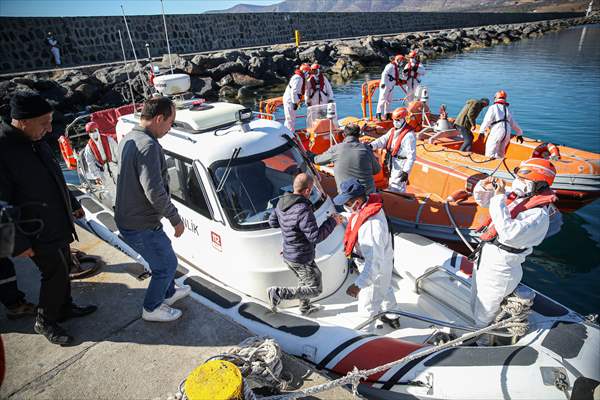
(67,152)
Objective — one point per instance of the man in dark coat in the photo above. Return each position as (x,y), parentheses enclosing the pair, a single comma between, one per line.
(31,178)
(294,215)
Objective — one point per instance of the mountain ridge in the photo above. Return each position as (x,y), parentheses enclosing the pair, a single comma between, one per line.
(411,5)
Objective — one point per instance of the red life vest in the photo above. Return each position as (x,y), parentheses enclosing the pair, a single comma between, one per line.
(301,75)
(373,205)
(313,84)
(412,71)
(396,149)
(542,199)
(96,151)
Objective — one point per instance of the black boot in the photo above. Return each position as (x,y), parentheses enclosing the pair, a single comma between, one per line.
(394,323)
(52,331)
(378,116)
(74,311)
(388,116)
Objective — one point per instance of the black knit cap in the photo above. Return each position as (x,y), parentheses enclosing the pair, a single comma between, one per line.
(26,105)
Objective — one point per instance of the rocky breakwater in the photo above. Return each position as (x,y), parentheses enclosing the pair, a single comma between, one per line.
(241,74)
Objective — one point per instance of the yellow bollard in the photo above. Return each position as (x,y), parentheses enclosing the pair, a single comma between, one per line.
(297,34)
(215,380)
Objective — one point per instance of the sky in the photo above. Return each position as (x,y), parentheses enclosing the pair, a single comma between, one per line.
(71,8)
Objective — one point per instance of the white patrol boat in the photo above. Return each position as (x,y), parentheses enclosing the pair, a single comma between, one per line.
(227,171)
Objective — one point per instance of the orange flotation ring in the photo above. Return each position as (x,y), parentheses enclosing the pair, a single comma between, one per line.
(67,152)
(546,150)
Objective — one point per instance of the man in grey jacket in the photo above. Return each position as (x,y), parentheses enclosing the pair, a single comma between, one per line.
(143,199)
(352,159)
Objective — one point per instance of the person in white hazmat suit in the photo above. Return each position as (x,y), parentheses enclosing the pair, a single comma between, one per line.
(500,122)
(367,239)
(412,74)
(318,88)
(390,77)
(518,221)
(293,95)
(100,161)
(400,143)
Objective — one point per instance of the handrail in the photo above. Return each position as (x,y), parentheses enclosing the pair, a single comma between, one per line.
(435,269)
(429,320)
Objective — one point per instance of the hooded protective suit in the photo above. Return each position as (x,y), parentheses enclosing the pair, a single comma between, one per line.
(386,87)
(293,92)
(404,160)
(318,90)
(500,121)
(499,271)
(412,73)
(95,167)
(375,263)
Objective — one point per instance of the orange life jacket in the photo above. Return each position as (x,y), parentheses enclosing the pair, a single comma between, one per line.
(301,75)
(313,84)
(96,151)
(542,199)
(396,149)
(372,207)
(412,71)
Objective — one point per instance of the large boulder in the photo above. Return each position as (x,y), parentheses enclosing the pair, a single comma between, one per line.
(180,63)
(205,61)
(204,87)
(246,80)
(112,75)
(315,53)
(226,68)
(282,65)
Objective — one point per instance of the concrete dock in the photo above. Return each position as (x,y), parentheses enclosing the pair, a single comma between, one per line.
(116,354)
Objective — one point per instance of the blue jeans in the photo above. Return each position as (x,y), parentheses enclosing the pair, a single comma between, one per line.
(155,247)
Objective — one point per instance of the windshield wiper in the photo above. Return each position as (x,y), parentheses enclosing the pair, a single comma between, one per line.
(236,153)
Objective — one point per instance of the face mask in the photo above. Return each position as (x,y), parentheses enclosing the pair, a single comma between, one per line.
(353,208)
(398,124)
(521,187)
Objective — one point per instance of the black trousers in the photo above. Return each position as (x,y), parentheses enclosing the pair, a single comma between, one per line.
(10,295)
(467,136)
(55,290)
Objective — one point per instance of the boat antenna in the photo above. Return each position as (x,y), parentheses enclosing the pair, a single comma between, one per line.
(134,53)
(127,71)
(162,5)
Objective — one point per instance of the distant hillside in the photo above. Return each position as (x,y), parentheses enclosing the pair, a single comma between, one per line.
(411,5)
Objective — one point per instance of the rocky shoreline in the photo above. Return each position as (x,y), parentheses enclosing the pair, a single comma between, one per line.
(237,74)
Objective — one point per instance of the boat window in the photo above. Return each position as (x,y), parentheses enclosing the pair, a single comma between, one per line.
(185,186)
(255,184)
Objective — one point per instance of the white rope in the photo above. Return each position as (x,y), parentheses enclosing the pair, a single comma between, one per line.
(356,376)
(518,308)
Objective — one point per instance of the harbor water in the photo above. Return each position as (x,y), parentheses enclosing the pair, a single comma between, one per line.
(553,89)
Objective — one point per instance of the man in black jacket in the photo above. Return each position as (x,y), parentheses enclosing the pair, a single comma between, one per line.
(31,178)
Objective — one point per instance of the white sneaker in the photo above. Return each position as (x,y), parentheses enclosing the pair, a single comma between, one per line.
(180,293)
(163,313)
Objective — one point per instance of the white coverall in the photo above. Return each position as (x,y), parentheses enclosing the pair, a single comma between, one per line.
(386,87)
(404,160)
(500,271)
(499,136)
(317,96)
(411,82)
(291,96)
(93,168)
(54,49)
(374,246)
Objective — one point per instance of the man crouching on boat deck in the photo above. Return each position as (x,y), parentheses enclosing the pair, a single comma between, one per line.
(368,241)
(518,222)
(301,234)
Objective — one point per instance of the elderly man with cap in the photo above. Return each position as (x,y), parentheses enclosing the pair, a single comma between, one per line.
(31,178)
(352,159)
(368,241)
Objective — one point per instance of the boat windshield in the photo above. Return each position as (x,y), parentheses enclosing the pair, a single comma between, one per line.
(319,112)
(253,185)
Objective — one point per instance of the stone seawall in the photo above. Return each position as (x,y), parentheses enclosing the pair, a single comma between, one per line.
(88,40)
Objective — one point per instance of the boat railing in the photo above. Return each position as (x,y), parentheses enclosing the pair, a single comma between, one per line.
(433,321)
(452,277)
